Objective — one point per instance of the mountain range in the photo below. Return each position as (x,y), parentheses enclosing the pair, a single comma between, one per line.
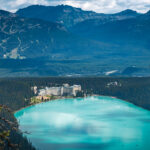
(32,38)
(64,40)
(70,16)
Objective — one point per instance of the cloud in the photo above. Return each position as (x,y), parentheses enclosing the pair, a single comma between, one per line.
(102,6)
(13,5)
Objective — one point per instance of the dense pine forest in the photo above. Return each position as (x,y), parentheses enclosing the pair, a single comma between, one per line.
(10,136)
(15,93)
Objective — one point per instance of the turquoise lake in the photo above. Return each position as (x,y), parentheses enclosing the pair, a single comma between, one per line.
(92,123)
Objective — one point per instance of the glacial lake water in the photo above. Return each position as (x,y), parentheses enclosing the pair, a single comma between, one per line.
(93,123)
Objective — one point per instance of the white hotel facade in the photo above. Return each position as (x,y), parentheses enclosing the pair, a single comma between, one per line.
(60,91)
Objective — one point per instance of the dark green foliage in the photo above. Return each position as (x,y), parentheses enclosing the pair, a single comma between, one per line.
(80,94)
(15,94)
(10,136)
(14,91)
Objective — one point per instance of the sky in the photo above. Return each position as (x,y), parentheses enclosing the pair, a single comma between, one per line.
(101,6)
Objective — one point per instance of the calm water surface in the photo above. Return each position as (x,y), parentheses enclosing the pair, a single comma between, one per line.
(93,123)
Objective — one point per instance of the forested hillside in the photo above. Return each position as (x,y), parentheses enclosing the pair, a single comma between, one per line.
(16,92)
(10,136)
(12,95)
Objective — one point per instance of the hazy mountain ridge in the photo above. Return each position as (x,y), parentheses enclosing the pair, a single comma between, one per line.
(107,41)
(63,14)
(70,16)
(125,26)
(21,38)
(127,30)
(29,38)
(133,35)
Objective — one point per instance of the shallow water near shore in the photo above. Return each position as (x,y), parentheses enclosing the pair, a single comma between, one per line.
(97,123)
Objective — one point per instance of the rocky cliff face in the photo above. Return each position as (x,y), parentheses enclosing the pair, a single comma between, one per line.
(70,16)
(63,14)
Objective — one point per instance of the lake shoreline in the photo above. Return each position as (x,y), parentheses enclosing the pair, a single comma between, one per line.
(87,120)
(94,95)
(62,98)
